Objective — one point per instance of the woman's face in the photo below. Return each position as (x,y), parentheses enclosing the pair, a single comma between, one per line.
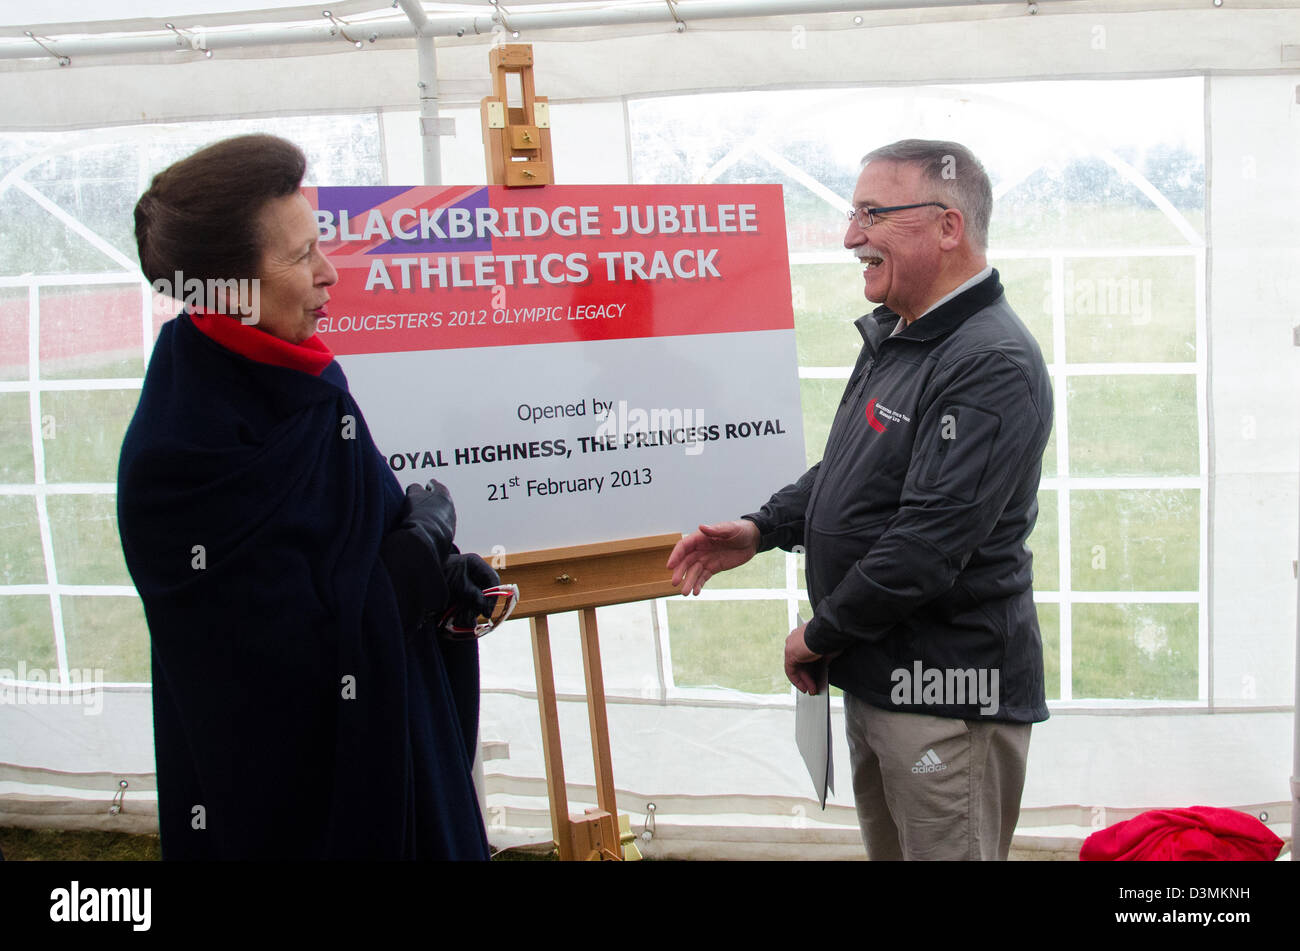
(294,275)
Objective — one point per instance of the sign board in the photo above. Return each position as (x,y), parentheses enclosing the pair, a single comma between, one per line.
(575,363)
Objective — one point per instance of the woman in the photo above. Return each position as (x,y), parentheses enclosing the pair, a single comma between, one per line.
(302,706)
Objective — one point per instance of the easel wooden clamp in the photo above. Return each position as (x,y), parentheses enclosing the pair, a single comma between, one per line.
(517,140)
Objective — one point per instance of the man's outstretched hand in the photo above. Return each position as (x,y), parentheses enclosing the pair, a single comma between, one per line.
(702,554)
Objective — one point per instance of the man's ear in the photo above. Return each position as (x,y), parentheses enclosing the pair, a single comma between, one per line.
(954,229)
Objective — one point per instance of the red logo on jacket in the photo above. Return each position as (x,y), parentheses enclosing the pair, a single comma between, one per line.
(872,420)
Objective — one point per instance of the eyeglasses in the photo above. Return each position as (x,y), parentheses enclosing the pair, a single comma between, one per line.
(865,217)
(455,632)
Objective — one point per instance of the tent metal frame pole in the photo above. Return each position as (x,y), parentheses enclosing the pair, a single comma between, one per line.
(457,25)
(427,65)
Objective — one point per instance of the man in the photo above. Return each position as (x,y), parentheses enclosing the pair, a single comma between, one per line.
(915,521)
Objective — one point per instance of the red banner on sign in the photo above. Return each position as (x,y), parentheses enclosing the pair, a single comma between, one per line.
(436,268)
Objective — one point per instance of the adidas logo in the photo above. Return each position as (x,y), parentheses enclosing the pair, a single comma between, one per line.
(929,763)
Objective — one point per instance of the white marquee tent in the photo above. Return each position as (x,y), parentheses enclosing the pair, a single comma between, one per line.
(1146,166)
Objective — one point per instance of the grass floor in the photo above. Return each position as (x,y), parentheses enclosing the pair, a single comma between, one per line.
(58,845)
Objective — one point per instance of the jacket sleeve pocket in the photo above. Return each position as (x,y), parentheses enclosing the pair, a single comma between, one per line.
(959,454)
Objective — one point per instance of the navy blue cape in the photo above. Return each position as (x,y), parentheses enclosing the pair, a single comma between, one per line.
(293,716)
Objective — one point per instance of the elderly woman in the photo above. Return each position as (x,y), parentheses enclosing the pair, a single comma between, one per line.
(303,707)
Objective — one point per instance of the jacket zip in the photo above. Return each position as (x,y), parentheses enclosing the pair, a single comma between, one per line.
(852,397)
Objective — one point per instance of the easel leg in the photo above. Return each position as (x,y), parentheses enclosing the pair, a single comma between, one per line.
(551,751)
(599,719)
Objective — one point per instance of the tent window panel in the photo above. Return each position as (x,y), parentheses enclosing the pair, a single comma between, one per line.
(676,140)
(341,149)
(91,331)
(16,463)
(1028,286)
(1049,627)
(17,147)
(827,299)
(108,634)
(1135,539)
(1133,425)
(1043,542)
(86,546)
(14,362)
(1082,200)
(1049,451)
(28,627)
(85,433)
(1130,309)
(21,560)
(820,399)
(763,571)
(1134,651)
(32,241)
(97,163)
(812,223)
(97,186)
(732,644)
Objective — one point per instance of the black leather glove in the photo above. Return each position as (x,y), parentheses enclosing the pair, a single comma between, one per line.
(415,553)
(466,576)
(429,510)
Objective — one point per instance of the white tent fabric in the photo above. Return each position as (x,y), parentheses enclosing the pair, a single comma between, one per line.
(717,762)
(945,45)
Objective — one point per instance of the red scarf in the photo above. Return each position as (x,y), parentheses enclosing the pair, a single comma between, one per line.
(310,356)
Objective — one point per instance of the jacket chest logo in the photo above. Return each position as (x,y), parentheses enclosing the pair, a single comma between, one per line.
(879,416)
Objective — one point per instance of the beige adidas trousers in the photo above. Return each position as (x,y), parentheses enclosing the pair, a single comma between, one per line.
(934,788)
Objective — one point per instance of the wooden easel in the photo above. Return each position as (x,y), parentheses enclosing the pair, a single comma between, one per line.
(583,578)
(516,141)
(517,145)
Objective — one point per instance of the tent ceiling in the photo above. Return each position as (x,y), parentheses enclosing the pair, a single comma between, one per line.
(90,16)
(981,43)
(77,27)
(147,16)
